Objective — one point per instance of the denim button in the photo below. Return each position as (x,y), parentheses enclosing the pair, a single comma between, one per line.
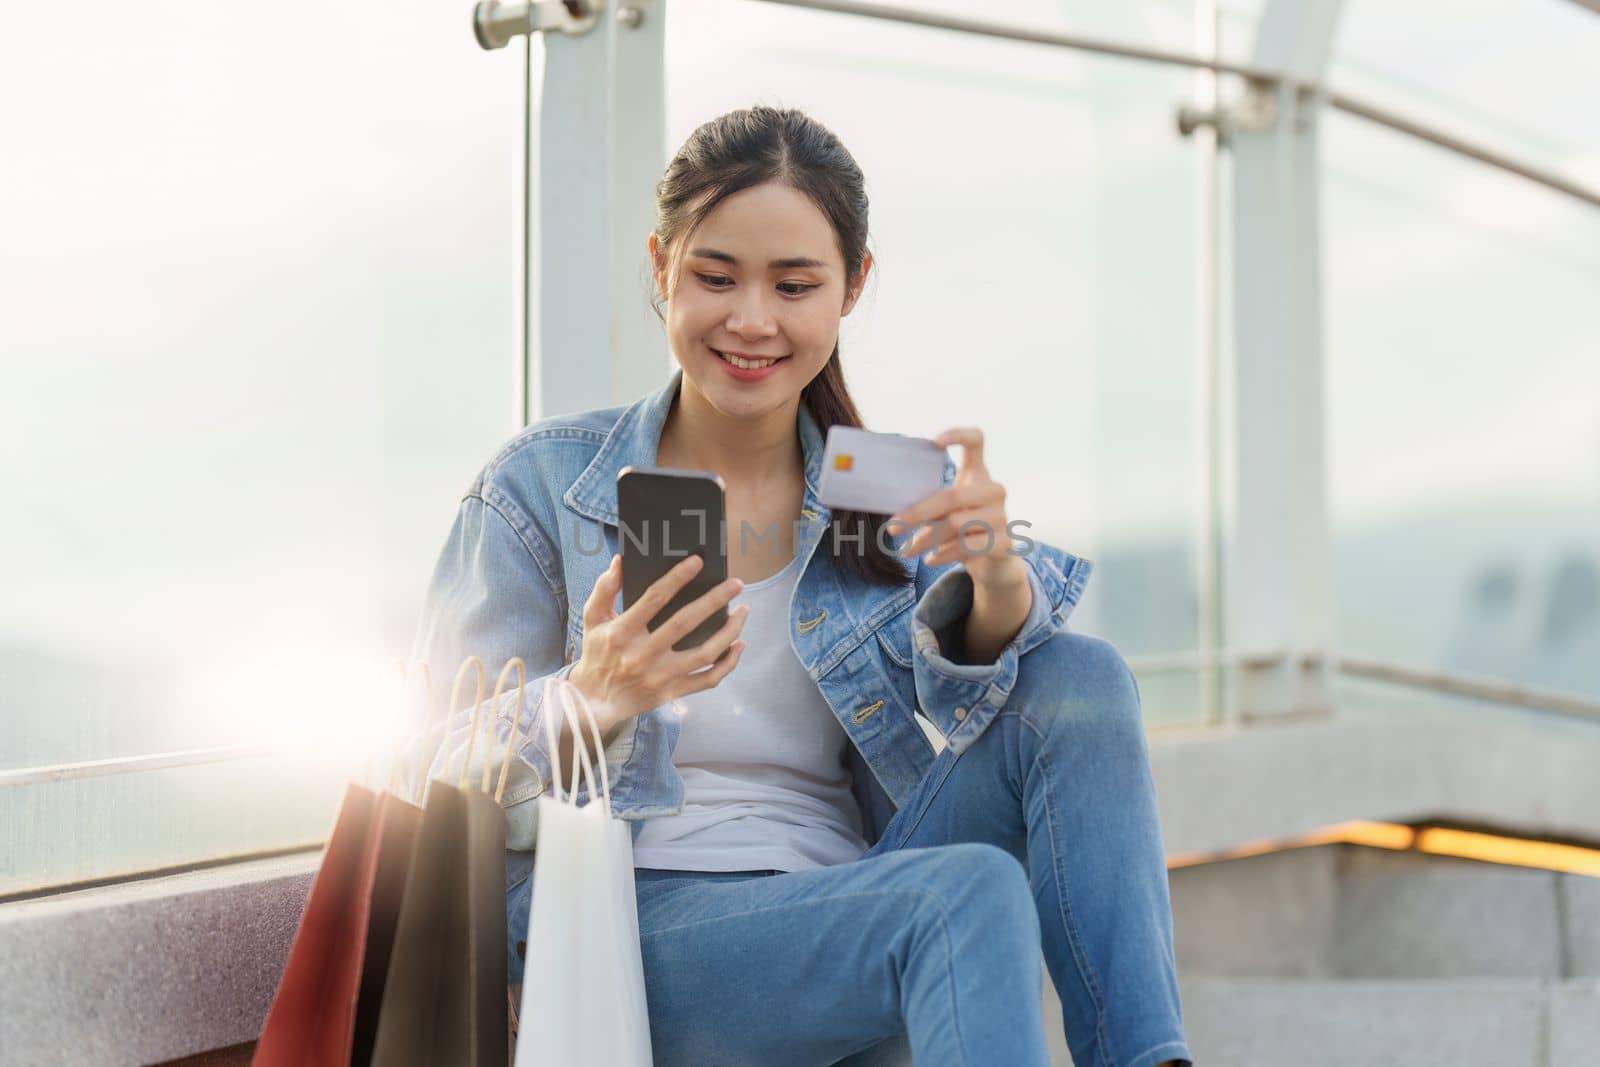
(961,714)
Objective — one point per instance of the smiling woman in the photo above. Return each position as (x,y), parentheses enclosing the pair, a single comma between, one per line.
(784,800)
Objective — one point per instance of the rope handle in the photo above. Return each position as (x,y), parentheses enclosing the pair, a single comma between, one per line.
(516,718)
(396,748)
(599,746)
(455,691)
(566,694)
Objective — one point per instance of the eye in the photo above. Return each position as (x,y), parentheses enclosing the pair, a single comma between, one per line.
(722,281)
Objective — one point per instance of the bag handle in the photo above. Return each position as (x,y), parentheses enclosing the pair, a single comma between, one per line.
(472,728)
(557,690)
(516,718)
(455,692)
(594,731)
(392,783)
(554,697)
(599,745)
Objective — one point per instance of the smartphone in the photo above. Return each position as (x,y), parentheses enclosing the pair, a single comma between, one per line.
(667,515)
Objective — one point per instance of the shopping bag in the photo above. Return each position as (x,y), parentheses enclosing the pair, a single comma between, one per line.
(583,995)
(486,890)
(444,1001)
(393,839)
(313,1011)
(340,951)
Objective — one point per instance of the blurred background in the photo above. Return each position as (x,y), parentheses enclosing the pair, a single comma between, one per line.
(275,281)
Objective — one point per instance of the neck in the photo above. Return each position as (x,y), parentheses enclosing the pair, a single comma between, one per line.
(753,451)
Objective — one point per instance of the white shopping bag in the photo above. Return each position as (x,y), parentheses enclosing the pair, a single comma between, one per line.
(583,997)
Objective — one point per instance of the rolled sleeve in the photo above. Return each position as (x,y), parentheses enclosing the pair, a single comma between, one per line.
(961,699)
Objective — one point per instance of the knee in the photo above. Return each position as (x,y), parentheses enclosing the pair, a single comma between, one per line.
(986,884)
(1081,682)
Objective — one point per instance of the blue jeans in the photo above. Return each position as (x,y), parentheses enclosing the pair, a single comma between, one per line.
(1043,835)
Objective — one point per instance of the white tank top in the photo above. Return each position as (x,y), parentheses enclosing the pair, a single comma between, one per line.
(765,786)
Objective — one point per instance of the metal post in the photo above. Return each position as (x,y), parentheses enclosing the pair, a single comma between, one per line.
(597,152)
(1278,578)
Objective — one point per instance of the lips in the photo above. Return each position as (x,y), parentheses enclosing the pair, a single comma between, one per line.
(744,355)
(749,362)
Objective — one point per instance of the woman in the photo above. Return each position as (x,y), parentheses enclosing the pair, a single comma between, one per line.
(815,885)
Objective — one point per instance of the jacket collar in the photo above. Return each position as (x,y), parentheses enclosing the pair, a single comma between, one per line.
(635,438)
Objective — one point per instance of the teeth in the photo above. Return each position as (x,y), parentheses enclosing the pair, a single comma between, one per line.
(747,364)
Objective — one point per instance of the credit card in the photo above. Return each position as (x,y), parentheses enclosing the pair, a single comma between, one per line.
(878,472)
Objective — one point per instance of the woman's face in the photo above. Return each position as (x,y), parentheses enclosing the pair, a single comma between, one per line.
(762,277)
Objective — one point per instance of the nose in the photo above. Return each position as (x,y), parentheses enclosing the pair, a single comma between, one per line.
(749,316)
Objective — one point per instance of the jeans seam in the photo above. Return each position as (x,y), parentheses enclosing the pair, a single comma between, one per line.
(1080,956)
(917,821)
(944,929)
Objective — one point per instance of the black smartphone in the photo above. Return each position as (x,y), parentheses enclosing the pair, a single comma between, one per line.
(668,514)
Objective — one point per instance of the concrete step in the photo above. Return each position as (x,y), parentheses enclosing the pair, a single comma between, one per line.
(1320,1023)
(1344,911)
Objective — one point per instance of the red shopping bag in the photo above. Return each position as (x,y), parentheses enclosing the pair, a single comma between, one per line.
(313,1013)
(393,839)
(325,1006)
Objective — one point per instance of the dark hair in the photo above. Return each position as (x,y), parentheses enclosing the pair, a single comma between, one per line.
(761,144)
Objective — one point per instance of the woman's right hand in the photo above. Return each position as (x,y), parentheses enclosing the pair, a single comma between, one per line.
(625,669)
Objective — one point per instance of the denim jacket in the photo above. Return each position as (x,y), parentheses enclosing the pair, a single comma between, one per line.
(537,527)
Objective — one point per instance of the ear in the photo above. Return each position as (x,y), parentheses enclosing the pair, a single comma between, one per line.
(658,265)
(857,284)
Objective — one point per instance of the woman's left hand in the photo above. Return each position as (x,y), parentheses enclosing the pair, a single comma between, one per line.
(965,521)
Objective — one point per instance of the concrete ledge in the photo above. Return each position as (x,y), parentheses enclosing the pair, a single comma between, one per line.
(1528,773)
(148,971)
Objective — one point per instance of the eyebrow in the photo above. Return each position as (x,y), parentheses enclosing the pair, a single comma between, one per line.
(792,263)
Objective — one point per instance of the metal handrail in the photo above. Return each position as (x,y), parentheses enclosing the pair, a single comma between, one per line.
(1477,688)
(1486,689)
(1499,160)
(1492,690)
(158,761)
(1342,101)
(1181,662)
(1031,35)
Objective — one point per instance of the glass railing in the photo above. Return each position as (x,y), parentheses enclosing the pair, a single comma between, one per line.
(258,325)
(261,331)
(1037,240)
(1515,75)
(1464,432)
